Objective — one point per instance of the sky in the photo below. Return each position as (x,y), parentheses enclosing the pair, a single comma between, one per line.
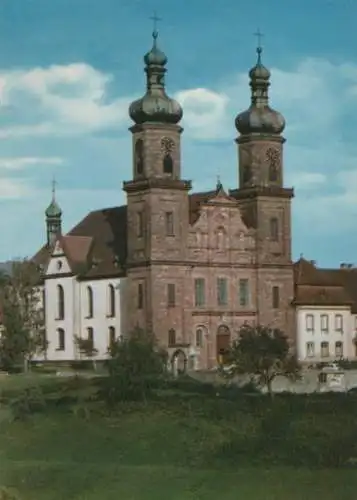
(70,68)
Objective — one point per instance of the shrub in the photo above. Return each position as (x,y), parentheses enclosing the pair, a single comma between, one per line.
(28,402)
(135,365)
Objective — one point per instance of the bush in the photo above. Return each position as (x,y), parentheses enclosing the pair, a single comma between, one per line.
(28,402)
(135,365)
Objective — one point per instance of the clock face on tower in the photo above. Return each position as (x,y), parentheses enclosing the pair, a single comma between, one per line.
(273,160)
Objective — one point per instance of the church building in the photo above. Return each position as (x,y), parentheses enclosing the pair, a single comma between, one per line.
(192,267)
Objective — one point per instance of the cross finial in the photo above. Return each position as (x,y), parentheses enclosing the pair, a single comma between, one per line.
(54,184)
(259,36)
(155,19)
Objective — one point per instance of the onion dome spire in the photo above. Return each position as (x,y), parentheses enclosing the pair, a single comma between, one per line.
(53,218)
(155,106)
(53,210)
(260,117)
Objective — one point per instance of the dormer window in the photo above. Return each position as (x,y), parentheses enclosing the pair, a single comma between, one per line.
(59,265)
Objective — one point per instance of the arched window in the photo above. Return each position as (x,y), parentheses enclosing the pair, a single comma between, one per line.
(111,332)
(172,337)
(61,340)
(89,302)
(139,157)
(199,337)
(60,302)
(168,164)
(273,172)
(111,301)
(274,229)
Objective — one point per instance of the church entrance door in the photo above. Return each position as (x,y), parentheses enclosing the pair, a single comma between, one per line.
(179,363)
(223,341)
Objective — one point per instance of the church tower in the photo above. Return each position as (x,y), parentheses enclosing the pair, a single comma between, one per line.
(53,218)
(264,201)
(157,199)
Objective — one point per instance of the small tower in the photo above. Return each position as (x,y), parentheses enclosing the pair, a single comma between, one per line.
(157,196)
(53,218)
(260,141)
(156,133)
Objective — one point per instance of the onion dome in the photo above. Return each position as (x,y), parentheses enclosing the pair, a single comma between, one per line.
(155,106)
(260,117)
(53,210)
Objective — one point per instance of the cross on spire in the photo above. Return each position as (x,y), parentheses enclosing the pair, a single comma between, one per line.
(54,184)
(259,36)
(155,19)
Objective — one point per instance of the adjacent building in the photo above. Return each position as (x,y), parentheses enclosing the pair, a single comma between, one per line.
(326,312)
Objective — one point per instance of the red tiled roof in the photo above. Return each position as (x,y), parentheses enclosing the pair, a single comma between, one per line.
(318,286)
(104,234)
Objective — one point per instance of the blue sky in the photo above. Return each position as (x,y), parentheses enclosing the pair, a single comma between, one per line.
(69,68)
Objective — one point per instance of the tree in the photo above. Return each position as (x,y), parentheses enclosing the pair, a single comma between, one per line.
(135,364)
(23,333)
(263,353)
(86,347)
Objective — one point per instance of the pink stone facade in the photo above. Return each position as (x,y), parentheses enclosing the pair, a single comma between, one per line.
(228,239)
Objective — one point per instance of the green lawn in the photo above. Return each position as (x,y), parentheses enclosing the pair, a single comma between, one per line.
(192,446)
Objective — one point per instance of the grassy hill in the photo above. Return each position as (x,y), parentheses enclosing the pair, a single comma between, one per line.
(187,442)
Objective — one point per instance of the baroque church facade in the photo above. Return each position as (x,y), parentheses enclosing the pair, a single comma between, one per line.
(190,267)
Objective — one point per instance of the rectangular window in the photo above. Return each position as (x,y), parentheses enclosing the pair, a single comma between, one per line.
(310,349)
(140,296)
(324,323)
(171,295)
(111,332)
(61,339)
(222,292)
(169,223)
(339,349)
(339,323)
(275,297)
(200,292)
(140,224)
(274,229)
(310,323)
(243,292)
(172,337)
(325,352)
(90,335)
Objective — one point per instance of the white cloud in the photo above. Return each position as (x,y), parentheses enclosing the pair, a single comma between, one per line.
(13,189)
(21,162)
(73,99)
(205,112)
(307,180)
